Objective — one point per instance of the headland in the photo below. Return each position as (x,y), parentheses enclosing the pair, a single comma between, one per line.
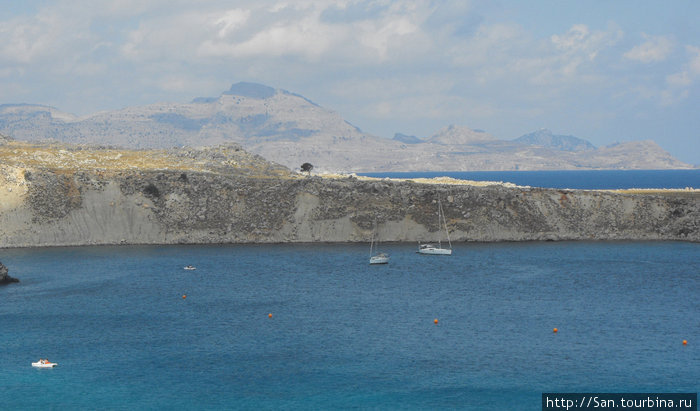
(59,195)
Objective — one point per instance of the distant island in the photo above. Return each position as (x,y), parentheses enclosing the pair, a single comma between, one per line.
(57,194)
(289,129)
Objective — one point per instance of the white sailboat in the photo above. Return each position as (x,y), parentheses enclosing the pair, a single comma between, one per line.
(375,256)
(433,249)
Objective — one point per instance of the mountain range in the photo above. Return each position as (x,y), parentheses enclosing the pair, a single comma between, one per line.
(290,129)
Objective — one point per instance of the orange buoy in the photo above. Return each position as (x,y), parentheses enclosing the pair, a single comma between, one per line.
(184,296)
(435,321)
(685,342)
(555,330)
(269,315)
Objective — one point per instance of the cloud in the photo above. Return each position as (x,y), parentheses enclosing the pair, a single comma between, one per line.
(231,21)
(303,37)
(26,39)
(581,41)
(509,54)
(369,32)
(691,70)
(679,83)
(410,64)
(655,49)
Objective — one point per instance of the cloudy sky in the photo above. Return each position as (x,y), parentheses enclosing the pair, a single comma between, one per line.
(607,71)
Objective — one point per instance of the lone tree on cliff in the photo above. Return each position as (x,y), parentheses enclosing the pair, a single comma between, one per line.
(307,167)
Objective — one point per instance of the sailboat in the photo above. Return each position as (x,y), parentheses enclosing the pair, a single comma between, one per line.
(375,256)
(437,249)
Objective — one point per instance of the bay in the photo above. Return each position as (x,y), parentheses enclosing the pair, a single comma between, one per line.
(344,334)
(573,179)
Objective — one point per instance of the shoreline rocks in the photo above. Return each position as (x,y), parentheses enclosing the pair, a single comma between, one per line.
(5,277)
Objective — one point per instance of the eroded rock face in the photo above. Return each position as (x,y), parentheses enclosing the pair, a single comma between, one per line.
(5,277)
(165,207)
(225,195)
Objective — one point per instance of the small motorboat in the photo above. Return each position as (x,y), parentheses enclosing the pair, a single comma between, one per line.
(42,363)
(190,267)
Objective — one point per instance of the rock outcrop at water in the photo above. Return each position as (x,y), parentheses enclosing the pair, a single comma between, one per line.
(74,195)
(5,277)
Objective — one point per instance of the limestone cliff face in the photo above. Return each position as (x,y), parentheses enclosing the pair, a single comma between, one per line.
(196,201)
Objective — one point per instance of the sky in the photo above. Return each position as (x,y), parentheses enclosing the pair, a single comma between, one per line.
(606,71)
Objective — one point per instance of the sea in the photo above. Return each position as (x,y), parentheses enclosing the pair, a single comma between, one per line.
(314,326)
(573,179)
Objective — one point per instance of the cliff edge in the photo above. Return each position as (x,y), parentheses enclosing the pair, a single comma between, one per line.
(55,195)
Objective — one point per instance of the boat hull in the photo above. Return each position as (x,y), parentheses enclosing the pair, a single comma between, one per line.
(379,260)
(44,365)
(435,251)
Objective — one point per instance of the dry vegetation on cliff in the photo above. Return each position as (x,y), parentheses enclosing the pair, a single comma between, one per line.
(53,194)
(62,157)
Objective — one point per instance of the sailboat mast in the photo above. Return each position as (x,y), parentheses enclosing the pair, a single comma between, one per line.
(447,232)
(439,223)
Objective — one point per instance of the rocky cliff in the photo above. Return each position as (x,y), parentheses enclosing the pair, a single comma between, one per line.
(72,195)
(5,276)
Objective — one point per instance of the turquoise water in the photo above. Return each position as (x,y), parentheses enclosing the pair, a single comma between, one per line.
(576,179)
(344,334)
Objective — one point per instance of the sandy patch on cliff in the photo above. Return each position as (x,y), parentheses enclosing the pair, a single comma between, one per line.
(13,188)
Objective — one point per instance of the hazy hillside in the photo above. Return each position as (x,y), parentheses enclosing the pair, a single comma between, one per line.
(290,129)
(545,138)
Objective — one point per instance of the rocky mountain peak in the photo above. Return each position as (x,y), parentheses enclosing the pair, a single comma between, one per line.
(251,90)
(453,134)
(545,138)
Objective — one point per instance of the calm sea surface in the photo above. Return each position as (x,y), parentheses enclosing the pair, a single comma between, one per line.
(344,334)
(578,179)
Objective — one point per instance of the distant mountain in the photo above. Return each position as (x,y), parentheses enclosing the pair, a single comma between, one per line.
(251,90)
(403,138)
(459,135)
(290,129)
(545,138)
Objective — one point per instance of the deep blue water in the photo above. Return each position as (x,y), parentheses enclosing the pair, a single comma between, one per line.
(345,334)
(577,179)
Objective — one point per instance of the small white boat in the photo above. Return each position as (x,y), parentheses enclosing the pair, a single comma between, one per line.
(432,249)
(189,267)
(44,364)
(375,256)
(380,258)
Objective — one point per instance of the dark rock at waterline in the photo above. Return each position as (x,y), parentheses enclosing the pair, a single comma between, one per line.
(5,277)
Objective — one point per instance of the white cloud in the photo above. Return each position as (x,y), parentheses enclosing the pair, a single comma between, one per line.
(580,41)
(507,54)
(27,39)
(655,49)
(386,37)
(231,21)
(381,61)
(305,38)
(679,84)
